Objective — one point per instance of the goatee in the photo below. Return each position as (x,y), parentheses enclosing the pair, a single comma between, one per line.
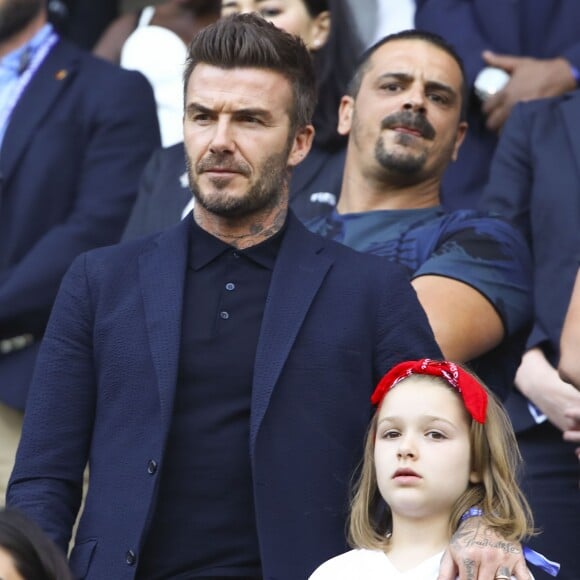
(398,163)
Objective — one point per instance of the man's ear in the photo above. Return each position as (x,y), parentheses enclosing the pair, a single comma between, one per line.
(461,132)
(301,145)
(345,113)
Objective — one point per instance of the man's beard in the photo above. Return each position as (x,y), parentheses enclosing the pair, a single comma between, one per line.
(400,163)
(265,193)
(15,15)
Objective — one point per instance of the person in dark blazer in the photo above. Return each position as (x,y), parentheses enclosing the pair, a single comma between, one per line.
(204,372)
(535,41)
(535,181)
(75,136)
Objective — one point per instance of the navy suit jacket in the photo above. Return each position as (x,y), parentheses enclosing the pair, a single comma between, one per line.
(164,190)
(334,322)
(535,28)
(70,163)
(535,181)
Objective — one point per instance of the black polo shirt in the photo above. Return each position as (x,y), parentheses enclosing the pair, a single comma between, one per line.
(203,525)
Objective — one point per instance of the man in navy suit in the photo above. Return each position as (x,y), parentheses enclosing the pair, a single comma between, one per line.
(535,181)
(217,376)
(75,134)
(536,42)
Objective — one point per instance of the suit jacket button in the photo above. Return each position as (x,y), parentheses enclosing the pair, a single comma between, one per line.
(130,557)
(152,467)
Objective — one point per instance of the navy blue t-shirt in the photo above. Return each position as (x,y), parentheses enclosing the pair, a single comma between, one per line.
(475,248)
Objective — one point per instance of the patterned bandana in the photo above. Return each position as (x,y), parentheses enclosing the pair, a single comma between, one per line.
(472,392)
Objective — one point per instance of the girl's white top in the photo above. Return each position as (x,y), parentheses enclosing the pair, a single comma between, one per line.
(375,565)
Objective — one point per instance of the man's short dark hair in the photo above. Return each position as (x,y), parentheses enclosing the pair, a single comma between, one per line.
(249,41)
(414,34)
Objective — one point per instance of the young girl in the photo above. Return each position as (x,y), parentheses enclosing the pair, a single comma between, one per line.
(439,445)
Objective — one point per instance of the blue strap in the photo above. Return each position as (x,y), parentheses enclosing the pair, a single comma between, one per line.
(539,560)
(471,513)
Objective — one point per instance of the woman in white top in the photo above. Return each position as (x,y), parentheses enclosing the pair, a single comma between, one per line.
(154,41)
(439,446)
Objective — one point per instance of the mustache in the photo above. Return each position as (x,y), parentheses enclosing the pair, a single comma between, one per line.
(410,120)
(224,162)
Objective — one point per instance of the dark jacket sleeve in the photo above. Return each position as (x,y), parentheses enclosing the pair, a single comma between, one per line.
(66,367)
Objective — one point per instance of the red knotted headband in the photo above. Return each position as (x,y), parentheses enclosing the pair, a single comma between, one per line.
(472,392)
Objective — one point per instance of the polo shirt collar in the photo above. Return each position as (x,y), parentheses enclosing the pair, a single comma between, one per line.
(205,248)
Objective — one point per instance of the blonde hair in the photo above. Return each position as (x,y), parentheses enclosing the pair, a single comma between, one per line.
(495,459)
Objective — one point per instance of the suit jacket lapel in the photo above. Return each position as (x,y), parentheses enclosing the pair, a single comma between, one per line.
(40,95)
(570,108)
(162,276)
(300,269)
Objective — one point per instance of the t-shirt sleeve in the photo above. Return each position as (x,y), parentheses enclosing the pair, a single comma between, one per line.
(491,256)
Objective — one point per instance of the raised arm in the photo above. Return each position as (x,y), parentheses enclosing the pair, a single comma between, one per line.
(530,78)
